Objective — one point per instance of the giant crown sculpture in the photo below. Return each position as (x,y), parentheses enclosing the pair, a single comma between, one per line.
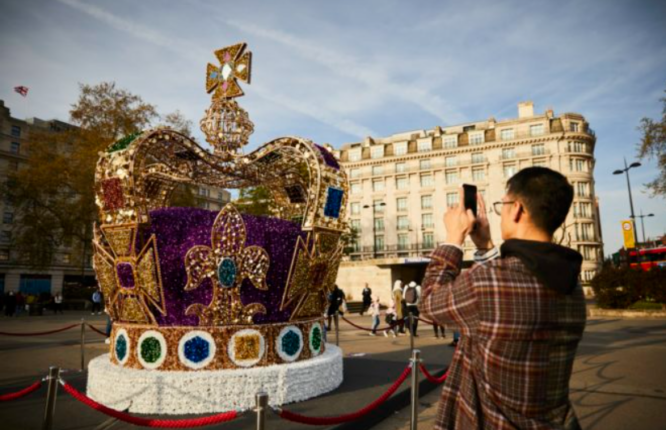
(191,290)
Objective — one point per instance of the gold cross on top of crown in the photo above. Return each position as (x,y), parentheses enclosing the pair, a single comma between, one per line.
(235,64)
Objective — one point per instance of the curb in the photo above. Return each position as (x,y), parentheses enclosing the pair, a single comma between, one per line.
(626,313)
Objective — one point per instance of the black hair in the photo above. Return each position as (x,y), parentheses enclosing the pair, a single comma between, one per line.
(546,195)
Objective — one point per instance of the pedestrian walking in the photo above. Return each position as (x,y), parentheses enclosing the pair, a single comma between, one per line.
(438,329)
(20,303)
(57,303)
(335,300)
(412,298)
(10,304)
(399,306)
(375,312)
(520,310)
(390,319)
(367,298)
(96,302)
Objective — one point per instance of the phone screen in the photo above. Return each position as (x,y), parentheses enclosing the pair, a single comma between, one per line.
(470,197)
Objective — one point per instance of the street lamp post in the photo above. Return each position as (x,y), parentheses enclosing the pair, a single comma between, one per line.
(374,207)
(641,216)
(631,201)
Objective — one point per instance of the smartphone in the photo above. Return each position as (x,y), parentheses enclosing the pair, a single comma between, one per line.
(470,197)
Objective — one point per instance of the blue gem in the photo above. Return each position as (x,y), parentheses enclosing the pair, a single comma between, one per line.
(197,349)
(213,75)
(121,347)
(333,202)
(226,272)
(291,343)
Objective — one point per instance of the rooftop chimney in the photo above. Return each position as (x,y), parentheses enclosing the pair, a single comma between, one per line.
(525,109)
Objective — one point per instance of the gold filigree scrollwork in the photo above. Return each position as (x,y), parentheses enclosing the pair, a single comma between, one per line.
(226,263)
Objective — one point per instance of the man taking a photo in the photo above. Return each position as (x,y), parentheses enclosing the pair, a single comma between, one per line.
(520,310)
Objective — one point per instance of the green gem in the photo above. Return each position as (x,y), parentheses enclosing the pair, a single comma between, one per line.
(123,143)
(316,338)
(151,350)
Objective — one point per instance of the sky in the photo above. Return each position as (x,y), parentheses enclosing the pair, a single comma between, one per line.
(336,72)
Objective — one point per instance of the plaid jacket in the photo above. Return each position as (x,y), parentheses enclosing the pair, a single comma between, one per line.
(512,366)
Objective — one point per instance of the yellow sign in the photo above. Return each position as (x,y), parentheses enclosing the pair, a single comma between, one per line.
(628,231)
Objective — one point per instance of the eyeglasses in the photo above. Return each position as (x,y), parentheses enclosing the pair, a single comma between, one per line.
(497,206)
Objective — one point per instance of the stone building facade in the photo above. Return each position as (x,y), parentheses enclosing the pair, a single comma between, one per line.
(401,185)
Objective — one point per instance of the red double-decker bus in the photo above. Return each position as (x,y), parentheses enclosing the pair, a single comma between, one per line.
(646,259)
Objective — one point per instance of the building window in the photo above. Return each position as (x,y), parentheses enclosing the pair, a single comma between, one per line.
(426,202)
(379,243)
(428,240)
(507,134)
(65,258)
(204,192)
(377,170)
(355,154)
(587,232)
(377,151)
(378,185)
(356,225)
(222,196)
(451,161)
(478,175)
(426,180)
(4,255)
(13,165)
(16,131)
(583,189)
(540,163)
(379,224)
(403,223)
(574,126)
(476,138)
(452,199)
(478,158)
(7,218)
(355,188)
(538,149)
(6,236)
(355,208)
(401,183)
(450,141)
(378,206)
(585,209)
(424,164)
(508,153)
(16,147)
(401,204)
(403,242)
(400,167)
(509,170)
(354,173)
(451,177)
(400,148)
(427,221)
(536,129)
(577,165)
(424,145)
(577,147)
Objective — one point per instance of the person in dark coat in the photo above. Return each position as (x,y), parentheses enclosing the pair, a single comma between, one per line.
(335,300)
(367,298)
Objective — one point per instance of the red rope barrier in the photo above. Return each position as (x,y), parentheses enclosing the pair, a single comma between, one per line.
(40,333)
(22,393)
(431,378)
(368,329)
(148,422)
(93,328)
(322,421)
(426,321)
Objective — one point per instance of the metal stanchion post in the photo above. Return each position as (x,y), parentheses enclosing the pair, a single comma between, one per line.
(411,331)
(260,409)
(51,393)
(83,343)
(414,419)
(337,328)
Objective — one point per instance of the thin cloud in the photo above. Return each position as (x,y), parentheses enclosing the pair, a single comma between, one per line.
(316,112)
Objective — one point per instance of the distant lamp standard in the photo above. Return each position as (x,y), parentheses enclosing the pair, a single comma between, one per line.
(631,201)
(374,208)
(641,216)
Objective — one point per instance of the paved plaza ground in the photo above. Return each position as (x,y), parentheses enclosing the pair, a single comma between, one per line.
(619,378)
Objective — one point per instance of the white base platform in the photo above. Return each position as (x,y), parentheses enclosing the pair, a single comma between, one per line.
(208,391)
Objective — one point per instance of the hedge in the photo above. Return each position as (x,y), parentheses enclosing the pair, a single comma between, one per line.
(619,288)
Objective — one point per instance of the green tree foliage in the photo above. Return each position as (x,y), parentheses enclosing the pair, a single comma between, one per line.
(53,194)
(653,146)
(619,288)
(254,201)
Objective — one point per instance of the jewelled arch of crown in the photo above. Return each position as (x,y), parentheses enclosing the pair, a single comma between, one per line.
(139,173)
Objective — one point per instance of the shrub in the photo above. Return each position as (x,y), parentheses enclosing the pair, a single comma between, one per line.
(619,288)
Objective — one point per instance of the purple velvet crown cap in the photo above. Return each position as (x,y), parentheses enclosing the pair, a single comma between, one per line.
(179,229)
